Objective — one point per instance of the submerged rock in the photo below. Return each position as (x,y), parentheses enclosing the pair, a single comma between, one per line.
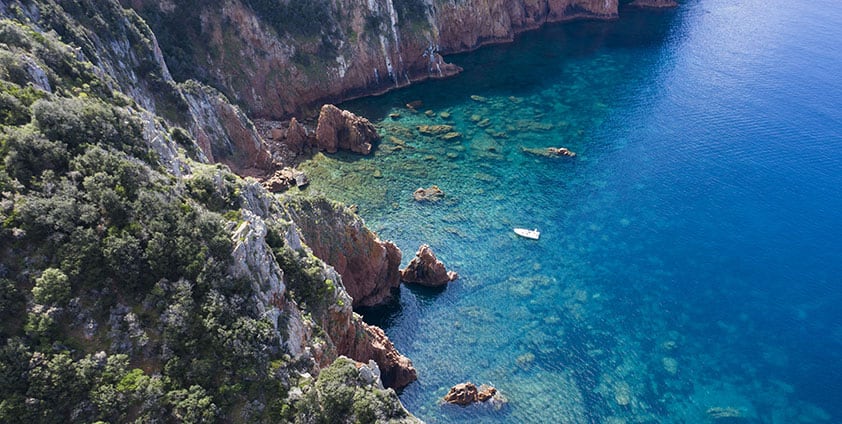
(435,129)
(341,129)
(431,194)
(657,4)
(722,413)
(415,104)
(561,151)
(453,135)
(550,152)
(425,269)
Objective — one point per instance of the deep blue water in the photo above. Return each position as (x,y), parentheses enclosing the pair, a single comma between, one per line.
(691,254)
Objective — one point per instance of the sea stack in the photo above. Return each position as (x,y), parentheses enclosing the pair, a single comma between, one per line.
(426,270)
(341,129)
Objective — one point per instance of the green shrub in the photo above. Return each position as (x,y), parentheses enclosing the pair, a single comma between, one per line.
(28,155)
(217,191)
(79,121)
(12,111)
(52,288)
(11,300)
(193,405)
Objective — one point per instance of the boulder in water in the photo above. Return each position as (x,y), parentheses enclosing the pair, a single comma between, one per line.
(467,393)
(431,194)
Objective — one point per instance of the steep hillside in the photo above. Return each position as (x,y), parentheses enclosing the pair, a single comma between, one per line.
(139,282)
(279,58)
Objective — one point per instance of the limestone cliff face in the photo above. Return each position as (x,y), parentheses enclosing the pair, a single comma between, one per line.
(279,59)
(224,133)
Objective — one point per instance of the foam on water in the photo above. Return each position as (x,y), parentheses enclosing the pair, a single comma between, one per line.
(689,262)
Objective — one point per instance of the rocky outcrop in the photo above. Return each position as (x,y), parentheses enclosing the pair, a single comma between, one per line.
(286,140)
(302,54)
(296,137)
(561,151)
(426,270)
(285,178)
(253,262)
(362,398)
(467,393)
(369,342)
(346,333)
(341,129)
(369,266)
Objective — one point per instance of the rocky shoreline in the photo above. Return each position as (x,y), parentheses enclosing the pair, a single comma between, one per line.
(307,262)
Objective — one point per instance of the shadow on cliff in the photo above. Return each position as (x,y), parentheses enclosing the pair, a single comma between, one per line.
(522,68)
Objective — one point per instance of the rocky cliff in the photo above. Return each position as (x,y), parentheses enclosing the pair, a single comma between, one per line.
(368,265)
(139,281)
(279,59)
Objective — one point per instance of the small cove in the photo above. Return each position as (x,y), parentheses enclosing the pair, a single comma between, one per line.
(690,258)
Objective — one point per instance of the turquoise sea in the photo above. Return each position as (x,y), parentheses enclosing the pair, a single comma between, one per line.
(690,262)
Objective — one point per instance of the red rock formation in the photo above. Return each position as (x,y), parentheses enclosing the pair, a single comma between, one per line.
(468,24)
(369,267)
(296,137)
(467,393)
(426,270)
(285,178)
(362,342)
(340,129)
(371,343)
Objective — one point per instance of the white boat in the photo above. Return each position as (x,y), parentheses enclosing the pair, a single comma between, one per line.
(530,234)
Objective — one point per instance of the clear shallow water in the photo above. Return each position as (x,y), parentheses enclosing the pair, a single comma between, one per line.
(690,255)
